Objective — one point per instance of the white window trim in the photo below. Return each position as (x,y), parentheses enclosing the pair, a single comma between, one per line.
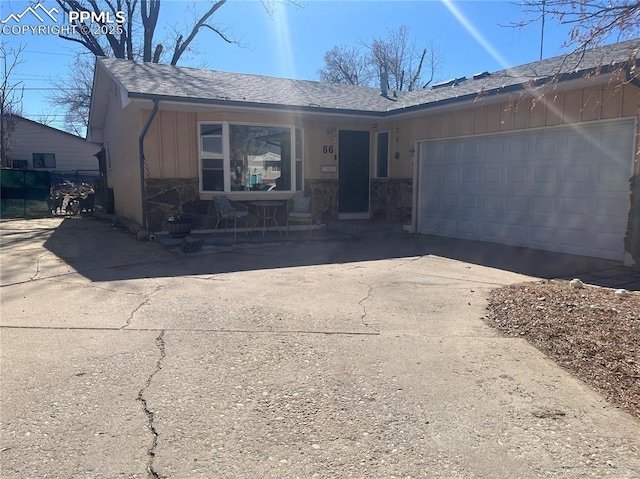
(226,157)
(298,157)
(225,165)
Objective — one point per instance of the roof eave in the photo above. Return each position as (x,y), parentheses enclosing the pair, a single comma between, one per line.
(603,73)
(99,65)
(256,105)
(42,125)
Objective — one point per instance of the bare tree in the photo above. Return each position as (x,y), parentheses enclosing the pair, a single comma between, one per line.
(45,118)
(346,65)
(73,94)
(132,39)
(592,22)
(397,55)
(135,36)
(394,57)
(11,94)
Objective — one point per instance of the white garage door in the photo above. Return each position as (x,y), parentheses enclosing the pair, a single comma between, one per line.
(560,189)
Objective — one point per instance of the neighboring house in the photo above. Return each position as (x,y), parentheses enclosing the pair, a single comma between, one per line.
(263,171)
(542,155)
(33,145)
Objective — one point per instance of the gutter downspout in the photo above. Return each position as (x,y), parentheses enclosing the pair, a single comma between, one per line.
(143,133)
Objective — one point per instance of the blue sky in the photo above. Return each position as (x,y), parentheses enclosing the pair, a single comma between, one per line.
(471,35)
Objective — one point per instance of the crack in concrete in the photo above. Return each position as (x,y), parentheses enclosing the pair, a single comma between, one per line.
(151,452)
(137,308)
(35,276)
(197,330)
(82,272)
(364,310)
(408,261)
(454,278)
(94,286)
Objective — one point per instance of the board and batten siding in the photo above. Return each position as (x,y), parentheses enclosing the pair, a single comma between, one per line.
(120,136)
(171,144)
(552,109)
(72,152)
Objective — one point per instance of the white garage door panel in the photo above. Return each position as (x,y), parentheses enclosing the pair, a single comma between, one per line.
(559,189)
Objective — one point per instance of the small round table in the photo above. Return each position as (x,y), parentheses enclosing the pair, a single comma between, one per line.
(267,211)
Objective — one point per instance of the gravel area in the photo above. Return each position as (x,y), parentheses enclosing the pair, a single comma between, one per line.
(592,332)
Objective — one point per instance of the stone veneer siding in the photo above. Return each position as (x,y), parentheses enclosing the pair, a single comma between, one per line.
(324,194)
(168,196)
(392,199)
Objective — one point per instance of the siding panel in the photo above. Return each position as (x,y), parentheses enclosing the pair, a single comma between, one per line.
(611,102)
(72,153)
(168,145)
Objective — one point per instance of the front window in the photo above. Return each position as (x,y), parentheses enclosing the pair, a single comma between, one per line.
(260,158)
(238,157)
(382,155)
(211,157)
(44,160)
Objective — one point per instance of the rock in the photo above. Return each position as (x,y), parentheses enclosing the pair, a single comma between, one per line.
(621,292)
(143,235)
(576,283)
(191,245)
(134,228)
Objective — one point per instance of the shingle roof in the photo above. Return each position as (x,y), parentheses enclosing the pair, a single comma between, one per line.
(142,79)
(197,85)
(575,65)
(17,118)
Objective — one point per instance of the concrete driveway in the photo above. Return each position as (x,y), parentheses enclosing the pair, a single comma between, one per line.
(311,360)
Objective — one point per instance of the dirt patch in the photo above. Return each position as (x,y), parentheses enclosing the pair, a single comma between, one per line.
(593,332)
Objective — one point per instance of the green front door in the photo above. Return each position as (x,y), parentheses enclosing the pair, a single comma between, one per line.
(353,173)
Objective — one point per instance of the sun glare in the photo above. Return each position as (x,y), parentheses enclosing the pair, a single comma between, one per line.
(547,99)
(475,33)
(285,53)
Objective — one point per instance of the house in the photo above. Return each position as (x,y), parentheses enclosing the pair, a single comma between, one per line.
(33,145)
(542,155)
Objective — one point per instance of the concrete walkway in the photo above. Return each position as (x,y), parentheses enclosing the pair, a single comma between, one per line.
(359,358)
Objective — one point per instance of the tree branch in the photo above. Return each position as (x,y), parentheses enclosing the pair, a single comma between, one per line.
(416,77)
(181,46)
(149,11)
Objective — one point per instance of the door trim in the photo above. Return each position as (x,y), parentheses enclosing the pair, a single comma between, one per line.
(354,216)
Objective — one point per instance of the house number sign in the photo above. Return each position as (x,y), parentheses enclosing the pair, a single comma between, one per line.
(327,149)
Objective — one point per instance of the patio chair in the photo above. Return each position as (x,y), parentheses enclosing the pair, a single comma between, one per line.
(227,210)
(300,210)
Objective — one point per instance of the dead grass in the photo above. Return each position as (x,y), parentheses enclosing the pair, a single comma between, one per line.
(591,332)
